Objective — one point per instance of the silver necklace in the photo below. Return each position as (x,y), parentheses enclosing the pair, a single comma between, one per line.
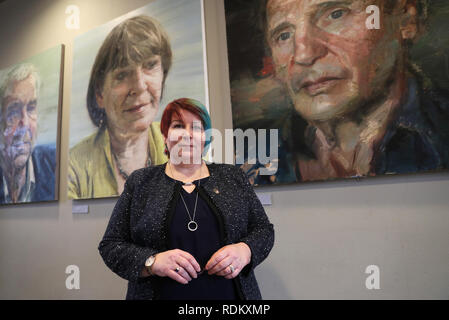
(192,225)
(120,169)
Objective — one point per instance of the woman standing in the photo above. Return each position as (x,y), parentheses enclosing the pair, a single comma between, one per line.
(187,229)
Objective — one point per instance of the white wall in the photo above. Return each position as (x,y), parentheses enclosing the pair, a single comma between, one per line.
(327,233)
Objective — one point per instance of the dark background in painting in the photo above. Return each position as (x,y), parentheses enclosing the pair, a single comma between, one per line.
(246,52)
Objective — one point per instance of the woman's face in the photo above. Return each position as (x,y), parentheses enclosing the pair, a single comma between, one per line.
(186,138)
(131,95)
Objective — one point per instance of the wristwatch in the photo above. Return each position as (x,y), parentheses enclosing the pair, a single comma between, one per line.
(149,263)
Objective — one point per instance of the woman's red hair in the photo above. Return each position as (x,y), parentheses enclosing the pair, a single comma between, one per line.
(175,107)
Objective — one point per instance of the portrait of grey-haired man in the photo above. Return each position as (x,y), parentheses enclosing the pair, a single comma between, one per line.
(359,106)
(27,170)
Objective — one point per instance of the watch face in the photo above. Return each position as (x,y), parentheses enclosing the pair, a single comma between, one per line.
(149,261)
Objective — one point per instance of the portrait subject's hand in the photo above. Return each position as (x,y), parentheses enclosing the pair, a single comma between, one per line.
(166,262)
(238,255)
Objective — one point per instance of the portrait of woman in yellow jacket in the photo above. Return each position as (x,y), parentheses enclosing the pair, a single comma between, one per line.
(125,89)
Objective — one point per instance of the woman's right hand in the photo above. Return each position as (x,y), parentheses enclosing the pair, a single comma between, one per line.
(166,262)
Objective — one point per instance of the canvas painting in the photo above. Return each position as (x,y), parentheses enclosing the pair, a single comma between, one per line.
(29,128)
(354,88)
(124,74)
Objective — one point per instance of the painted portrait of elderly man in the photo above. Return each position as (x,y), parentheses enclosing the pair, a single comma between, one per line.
(350,99)
(29,101)
(125,72)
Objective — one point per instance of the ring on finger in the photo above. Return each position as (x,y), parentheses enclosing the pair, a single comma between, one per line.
(177,269)
(232,268)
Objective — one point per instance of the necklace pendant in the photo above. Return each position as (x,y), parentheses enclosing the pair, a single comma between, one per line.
(192,226)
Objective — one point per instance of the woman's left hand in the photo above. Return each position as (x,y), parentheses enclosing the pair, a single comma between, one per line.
(229,260)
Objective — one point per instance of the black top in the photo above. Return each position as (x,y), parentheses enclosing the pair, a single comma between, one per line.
(201,244)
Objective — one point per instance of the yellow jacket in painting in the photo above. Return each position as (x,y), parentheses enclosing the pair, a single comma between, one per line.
(91,169)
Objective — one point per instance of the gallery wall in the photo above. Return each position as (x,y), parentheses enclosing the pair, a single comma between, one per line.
(327,233)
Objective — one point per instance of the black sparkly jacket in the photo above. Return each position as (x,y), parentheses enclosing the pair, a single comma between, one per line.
(138,227)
